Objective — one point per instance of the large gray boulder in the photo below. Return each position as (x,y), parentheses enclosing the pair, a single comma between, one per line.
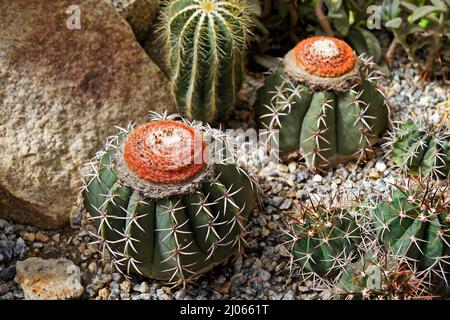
(61,93)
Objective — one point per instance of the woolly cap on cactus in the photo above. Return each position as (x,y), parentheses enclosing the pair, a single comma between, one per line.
(163,158)
(323,63)
(161,208)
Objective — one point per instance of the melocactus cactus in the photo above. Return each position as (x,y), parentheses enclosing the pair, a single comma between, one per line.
(421,147)
(415,223)
(206,42)
(161,208)
(324,101)
(324,239)
(379,278)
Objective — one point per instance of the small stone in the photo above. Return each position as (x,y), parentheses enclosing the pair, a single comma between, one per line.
(114,285)
(28,236)
(92,267)
(265,275)
(41,237)
(180,294)
(4,288)
(145,296)
(289,295)
(143,287)
(282,168)
(116,276)
(374,174)
(103,294)
(238,265)
(272,225)
(8,273)
(124,296)
(292,167)
(162,295)
(317,178)
(286,204)
(126,286)
(380,166)
(56,238)
(264,232)
(7,296)
(51,279)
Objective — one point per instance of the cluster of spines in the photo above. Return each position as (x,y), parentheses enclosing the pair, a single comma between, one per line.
(287,94)
(414,223)
(122,246)
(206,42)
(323,240)
(428,150)
(377,276)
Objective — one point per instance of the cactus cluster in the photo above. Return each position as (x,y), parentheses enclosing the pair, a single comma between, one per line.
(323,239)
(162,210)
(421,147)
(206,42)
(415,223)
(323,101)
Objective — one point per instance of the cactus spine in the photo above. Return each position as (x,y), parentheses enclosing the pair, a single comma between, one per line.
(415,223)
(324,102)
(421,147)
(324,239)
(206,42)
(161,217)
(379,278)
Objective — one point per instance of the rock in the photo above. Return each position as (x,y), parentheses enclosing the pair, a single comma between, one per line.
(61,93)
(380,166)
(103,294)
(41,237)
(317,178)
(28,236)
(126,286)
(8,273)
(52,279)
(138,13)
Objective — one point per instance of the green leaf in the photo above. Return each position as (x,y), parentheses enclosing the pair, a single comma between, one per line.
(424,11)
(394,23)
(440,4)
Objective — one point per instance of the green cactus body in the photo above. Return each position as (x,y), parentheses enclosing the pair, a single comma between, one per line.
(325,240)
(380,279)
(422,148)
(206,42)
(170,237)
(327,121)
(415,223)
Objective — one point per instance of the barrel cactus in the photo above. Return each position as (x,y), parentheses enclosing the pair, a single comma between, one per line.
(421,147)
(324,103)
(160,207)
(206,42)
(379,278)
(415,223)
(324,239)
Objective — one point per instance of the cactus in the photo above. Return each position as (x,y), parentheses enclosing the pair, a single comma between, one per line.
(415,223)
(376,278)
(421,147)
(323,239)
(324,102)
(161,209)
(206,42)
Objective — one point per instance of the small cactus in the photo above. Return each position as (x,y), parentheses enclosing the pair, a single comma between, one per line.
(421,147)
(415,223)
(160,208)
(323,239)
(324,101)
(206,41)
(377,278)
